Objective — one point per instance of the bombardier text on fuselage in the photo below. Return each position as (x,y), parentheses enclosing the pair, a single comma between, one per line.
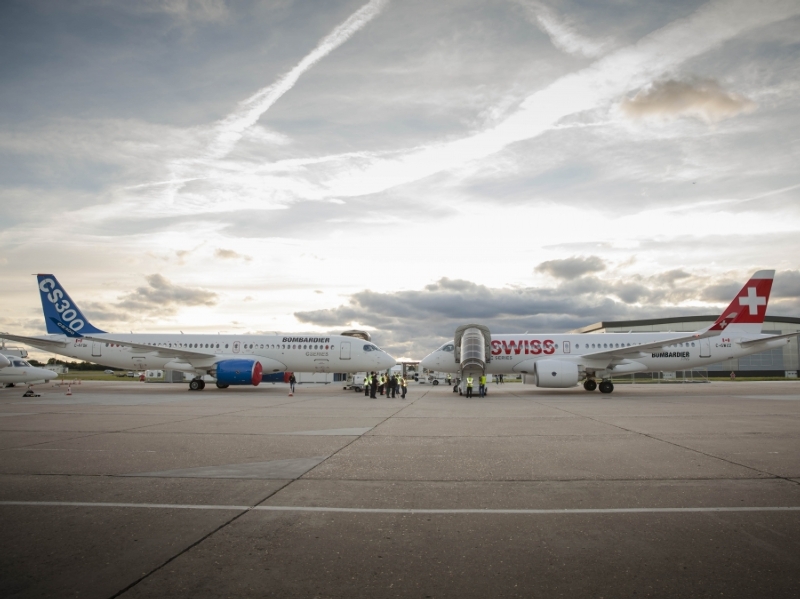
(230,359)
(562,360)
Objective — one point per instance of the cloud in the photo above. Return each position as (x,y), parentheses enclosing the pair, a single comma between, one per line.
(411,323)
(224,254)
(703,99)
(200,10)
(571,268)
(563,33)
(165,297)
(787,284)
(230,129)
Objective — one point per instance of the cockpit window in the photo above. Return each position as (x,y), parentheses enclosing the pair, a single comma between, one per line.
(21,364)
(370,347)
(448,347)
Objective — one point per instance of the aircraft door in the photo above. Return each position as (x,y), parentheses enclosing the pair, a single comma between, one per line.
(97,350)
(345,351)
(705,348)
(566,347)
(237,346)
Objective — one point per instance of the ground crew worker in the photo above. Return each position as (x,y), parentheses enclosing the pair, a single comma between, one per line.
(482,387)
(449,379)
(373,385)
(393,386)
(403,387)
(469,386)
(382,383)
(367,383)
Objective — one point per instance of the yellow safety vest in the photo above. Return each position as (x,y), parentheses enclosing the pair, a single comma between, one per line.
(469,381)
(483,380)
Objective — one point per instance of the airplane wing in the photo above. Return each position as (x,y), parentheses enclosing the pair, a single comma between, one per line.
(752,342)
(34,341)
(634,351)
(159,350)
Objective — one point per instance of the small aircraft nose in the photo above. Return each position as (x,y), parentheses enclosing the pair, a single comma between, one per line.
(49,375)
(427,362)
(387,361)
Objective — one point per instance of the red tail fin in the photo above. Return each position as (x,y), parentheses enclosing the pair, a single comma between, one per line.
(749,307)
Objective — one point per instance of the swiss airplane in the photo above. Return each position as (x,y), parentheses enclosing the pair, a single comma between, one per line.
(230,359)
(562,360)
(15,370)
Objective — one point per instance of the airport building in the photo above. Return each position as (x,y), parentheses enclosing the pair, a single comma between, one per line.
(784,361)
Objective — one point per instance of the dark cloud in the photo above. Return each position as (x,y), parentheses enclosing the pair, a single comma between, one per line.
(571,268)
(703,99)
(412,323)
(787,284)
(165,297)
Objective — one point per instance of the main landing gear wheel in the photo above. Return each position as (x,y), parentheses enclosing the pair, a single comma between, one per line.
(606,387)
(590,384)
(197,385)
(221,386)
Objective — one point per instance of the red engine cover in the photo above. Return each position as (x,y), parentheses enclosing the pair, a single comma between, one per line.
(257,373)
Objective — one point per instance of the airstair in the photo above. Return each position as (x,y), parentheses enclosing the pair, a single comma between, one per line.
(473,349)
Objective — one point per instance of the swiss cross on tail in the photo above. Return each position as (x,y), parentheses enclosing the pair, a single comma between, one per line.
(748,308)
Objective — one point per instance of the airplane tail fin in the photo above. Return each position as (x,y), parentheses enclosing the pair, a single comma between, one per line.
(746,312)
(61,315)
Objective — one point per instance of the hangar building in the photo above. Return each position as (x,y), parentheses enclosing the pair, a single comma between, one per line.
(773,362)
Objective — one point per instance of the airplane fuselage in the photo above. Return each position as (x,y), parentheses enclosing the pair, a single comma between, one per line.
(513,354)
(277,353)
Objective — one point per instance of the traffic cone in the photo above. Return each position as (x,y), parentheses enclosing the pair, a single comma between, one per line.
(69,390)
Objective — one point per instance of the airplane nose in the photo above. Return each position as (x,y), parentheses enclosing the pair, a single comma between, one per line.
(387,361)
(50,375)
(427,361)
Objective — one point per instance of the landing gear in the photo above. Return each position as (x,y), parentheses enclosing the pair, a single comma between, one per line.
(606,387)
(197,385)
(222,386)
(590,384)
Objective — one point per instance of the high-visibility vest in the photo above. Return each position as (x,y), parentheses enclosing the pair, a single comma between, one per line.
(402,381)
(482,380)
(469,381)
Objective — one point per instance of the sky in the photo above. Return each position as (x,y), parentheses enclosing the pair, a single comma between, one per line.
(402,167)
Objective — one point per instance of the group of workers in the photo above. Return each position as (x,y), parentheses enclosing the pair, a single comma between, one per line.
(481,385)
(388,385)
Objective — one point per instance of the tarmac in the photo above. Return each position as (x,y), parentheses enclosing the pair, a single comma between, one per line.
(149,490)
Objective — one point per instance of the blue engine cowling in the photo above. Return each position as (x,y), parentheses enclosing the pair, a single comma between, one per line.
(238,372)
(276,377)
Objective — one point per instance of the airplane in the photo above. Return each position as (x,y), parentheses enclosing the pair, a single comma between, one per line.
(230,359)
(15,370)
(563,360)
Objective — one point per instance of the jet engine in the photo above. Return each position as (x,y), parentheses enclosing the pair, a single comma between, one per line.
(237,372)
(556,374)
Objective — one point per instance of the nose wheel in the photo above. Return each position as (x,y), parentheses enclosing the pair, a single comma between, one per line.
(590,384)
(197,385)
(606,386)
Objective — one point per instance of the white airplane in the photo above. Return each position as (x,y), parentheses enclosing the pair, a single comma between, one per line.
(562,360)
(15,370)
(230,359)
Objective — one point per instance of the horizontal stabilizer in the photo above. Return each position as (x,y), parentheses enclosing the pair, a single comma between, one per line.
(752,342)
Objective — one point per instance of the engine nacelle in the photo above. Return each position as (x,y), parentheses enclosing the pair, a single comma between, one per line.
(238,372)
(276,377)
(556,374)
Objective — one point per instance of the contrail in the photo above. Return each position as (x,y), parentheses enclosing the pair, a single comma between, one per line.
(231,128)
(608,78)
